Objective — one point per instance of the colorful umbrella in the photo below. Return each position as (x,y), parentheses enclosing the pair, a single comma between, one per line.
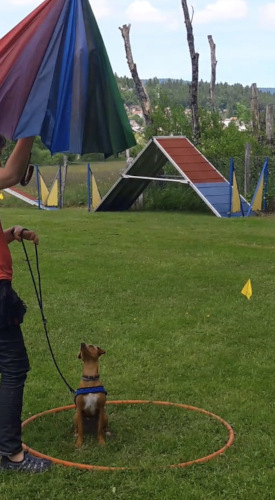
(56,81)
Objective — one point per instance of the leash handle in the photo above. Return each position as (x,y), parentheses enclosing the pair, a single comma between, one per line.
(38,292)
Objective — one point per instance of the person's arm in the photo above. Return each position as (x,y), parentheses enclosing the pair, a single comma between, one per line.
(15,233)
(17,163)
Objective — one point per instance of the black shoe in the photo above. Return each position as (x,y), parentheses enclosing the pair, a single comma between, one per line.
(29,463)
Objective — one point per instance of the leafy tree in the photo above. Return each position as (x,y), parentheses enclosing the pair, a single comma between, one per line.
(244,114)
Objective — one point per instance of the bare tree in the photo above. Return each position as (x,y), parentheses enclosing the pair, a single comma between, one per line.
(140,89)
(213,71)
(255,108)
(195,72)
(269,123)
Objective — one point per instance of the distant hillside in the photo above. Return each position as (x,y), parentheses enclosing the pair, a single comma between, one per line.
(268,90)
(162,81)
(170,92)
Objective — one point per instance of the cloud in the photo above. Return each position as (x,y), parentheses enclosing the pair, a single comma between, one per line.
(32,3)
(267,15)
(142,11)
(100,8)
(222,10)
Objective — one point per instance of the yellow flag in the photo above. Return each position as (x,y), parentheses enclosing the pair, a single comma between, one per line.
(52,199)
(236,202)
(247,289)
(258,197)
(44,190)
(1,196)
(96,198)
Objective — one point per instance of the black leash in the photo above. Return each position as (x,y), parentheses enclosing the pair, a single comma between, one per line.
(38,292)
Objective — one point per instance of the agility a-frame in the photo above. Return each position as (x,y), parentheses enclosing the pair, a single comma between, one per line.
(191,168)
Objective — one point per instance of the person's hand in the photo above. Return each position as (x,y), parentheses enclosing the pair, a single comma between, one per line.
(20,233)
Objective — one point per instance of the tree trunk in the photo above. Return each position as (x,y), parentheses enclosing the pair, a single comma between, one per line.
(195,73)
(213,72)
(255,108)
(140,89)
(269,121)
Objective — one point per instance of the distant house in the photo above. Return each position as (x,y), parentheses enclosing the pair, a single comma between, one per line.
(135,110)
(135,126)
(241,126)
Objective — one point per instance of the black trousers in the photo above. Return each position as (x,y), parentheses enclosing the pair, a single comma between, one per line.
(14,366)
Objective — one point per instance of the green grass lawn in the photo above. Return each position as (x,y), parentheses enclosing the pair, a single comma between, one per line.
(160,292)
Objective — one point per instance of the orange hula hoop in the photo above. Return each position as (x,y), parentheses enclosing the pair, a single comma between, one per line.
(134,401)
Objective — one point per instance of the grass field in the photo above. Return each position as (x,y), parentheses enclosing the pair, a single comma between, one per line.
(160,292)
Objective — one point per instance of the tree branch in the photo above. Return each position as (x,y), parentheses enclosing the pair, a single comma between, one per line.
(140,89)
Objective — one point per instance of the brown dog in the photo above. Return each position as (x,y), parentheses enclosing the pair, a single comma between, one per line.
(90,397)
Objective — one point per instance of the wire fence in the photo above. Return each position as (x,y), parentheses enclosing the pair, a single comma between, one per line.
(76,193)
(166,196)
(255,168)
(158,195)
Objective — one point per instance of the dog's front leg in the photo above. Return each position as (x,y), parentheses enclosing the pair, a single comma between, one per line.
(102,424)
(78,422)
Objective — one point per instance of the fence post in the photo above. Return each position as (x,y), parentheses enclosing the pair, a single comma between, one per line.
(38,186)
(269,120)
(63,179)
(265,186)
(89,186)
(59,186)
(247,168)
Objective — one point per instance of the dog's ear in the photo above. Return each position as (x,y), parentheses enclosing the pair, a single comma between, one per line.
(100,351)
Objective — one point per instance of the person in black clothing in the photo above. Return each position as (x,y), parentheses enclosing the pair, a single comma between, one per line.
(14,362)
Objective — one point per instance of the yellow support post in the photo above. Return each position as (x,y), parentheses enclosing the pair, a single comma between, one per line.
(52,200)
(43,190)
(96,198)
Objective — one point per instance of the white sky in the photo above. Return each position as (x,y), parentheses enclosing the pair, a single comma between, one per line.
(243,30)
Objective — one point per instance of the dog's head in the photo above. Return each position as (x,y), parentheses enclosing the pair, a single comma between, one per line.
(90,352)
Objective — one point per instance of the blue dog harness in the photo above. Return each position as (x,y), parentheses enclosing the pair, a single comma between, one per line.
(90,390)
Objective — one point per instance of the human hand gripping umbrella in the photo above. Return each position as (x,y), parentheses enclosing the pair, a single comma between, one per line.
(56,81)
